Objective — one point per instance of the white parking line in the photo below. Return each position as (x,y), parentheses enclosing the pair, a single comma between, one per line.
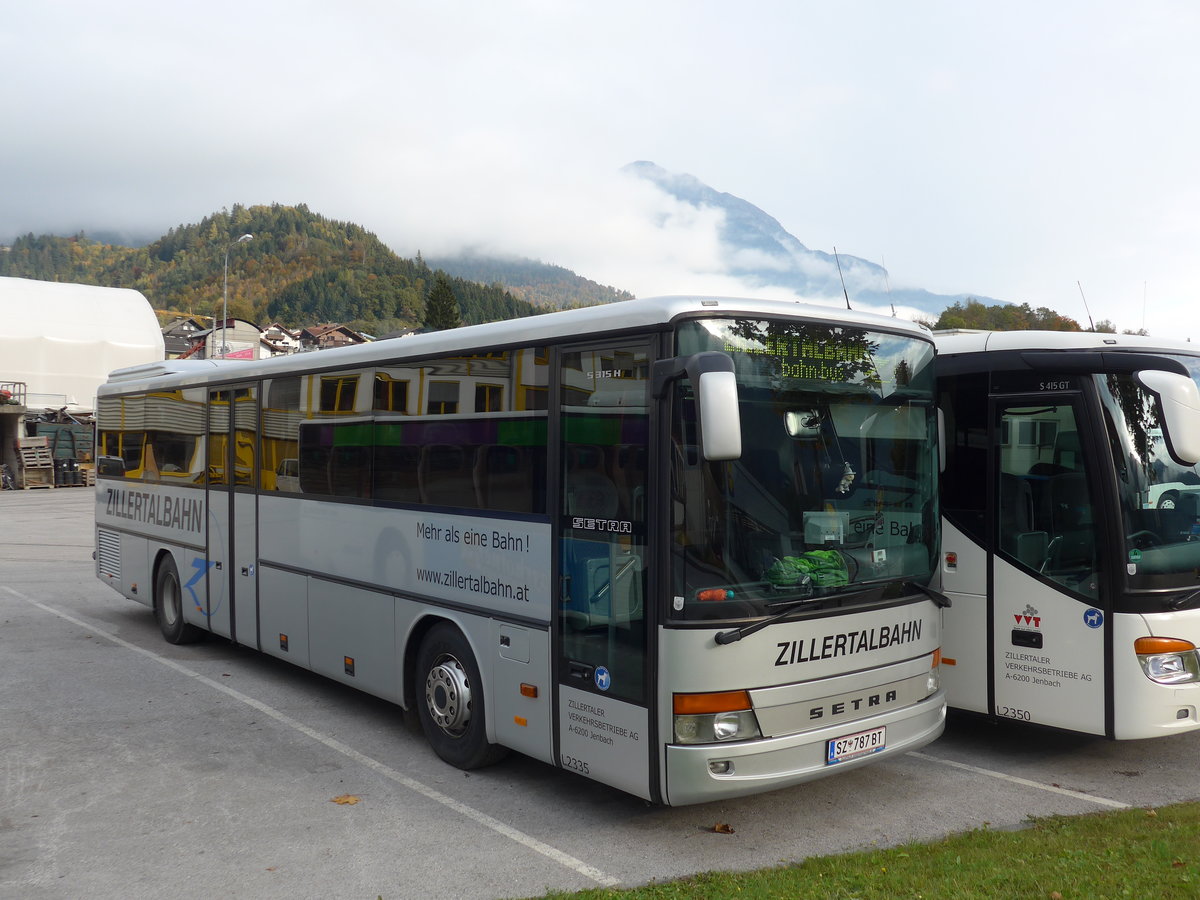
(1091,798)
(481,818)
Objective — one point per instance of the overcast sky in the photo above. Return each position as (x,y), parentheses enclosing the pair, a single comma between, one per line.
(1006,149)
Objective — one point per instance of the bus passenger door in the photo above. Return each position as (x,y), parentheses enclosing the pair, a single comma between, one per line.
(233,513)
(1050,615)
(603,672)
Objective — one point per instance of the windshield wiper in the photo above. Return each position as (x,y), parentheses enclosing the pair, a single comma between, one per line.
(937,597)
(1182,602)
(736,634)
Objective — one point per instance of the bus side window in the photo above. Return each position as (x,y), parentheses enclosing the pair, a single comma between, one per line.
(963,398)
(1045,518)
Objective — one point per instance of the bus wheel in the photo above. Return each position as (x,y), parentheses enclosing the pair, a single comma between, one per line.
(450,700)
(168,605)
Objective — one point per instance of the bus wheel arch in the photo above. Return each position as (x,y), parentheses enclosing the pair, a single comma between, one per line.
(168,602)
(448,693)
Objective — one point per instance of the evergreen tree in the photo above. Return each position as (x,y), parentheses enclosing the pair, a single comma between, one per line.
(441,309)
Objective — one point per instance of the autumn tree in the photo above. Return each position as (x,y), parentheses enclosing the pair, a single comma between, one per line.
(1003,317)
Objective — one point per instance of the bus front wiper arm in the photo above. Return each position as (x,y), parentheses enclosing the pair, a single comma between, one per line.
(938,598)
(1182,602)
(736,634)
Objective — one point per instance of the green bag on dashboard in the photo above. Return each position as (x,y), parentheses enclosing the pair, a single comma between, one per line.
(824,568)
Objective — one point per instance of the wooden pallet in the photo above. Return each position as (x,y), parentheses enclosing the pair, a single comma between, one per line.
(35,457)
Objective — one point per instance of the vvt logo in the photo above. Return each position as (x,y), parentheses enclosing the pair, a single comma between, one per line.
(1029,617)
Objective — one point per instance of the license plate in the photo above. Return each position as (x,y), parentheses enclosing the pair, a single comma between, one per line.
(855,745)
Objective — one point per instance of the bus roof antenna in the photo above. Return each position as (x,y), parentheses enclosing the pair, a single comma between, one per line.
(843,280)
(1091,324)
(888,284)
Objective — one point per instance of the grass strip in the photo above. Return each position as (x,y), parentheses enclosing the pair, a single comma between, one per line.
(1136,853)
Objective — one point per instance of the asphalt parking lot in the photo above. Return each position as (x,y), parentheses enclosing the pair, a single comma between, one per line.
(133,768)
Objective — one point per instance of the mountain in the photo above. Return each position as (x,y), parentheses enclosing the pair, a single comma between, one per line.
(299,269)
(754,248)
(759,251)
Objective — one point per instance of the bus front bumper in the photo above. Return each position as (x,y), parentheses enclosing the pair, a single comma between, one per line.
(704,772)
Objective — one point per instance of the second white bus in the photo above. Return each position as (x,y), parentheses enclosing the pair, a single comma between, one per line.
(1071,531)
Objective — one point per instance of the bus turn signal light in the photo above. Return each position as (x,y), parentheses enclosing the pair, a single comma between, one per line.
(1151,646)
(700,704)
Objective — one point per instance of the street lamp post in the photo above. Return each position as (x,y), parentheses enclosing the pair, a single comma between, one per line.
(225,294)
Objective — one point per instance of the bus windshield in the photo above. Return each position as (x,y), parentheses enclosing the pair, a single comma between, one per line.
(836,484)
(1160,499)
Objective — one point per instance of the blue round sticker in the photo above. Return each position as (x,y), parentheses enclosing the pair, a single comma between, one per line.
(603,678)
(1093,618)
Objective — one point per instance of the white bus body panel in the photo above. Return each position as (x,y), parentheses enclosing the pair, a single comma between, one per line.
(1060,681)
(497,564)
(605,739)
(964,657)
(1144,708)
(134,523)
(798,674)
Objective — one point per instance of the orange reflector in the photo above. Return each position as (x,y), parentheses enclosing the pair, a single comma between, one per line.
(949,661)
(529,690)
(1150,646)
(937,658)
(698,704)
(521,720)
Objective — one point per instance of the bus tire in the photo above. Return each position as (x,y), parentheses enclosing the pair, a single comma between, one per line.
(450,700)
(168,605)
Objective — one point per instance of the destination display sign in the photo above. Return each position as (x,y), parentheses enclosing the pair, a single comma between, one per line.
(797,355)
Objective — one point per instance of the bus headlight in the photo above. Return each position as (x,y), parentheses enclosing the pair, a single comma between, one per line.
(710,718)
(1168,660)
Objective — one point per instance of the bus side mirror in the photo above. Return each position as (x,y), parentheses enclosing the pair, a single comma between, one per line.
(720,420)
(714,382)
(1180,401)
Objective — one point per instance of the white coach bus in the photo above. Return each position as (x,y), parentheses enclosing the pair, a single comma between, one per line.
(680,546)
(1071,530)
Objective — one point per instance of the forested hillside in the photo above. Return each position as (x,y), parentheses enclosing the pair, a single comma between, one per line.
(542,284)
(299,269)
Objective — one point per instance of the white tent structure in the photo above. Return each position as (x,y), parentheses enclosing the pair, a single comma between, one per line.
(62,340)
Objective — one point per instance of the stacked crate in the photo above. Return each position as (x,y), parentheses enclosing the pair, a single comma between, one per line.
(37,463)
